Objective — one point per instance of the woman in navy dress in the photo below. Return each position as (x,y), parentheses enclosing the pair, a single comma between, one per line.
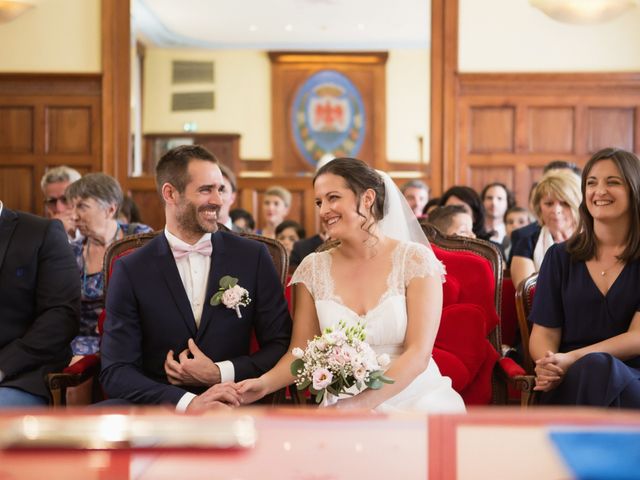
(586,312)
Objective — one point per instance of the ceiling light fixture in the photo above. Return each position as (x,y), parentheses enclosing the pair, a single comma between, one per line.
(10,10)
(288,27)
(583,12)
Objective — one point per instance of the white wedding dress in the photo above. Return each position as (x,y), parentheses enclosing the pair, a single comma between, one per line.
(386,323)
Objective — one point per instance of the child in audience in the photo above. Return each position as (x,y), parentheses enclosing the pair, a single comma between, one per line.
(431,205)
(515,218)
(453,220)
(288,233)
(275,207)
(242,220)
(470,200)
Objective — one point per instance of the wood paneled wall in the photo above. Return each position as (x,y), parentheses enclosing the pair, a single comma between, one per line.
(46,120)
(510,125)
(506,126)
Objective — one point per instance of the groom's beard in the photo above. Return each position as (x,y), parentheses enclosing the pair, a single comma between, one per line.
(191,218)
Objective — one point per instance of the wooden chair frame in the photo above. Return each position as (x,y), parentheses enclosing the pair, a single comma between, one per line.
(524,302)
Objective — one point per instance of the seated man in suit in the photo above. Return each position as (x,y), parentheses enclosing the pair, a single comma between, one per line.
(304,247)
(39,305)
(165,341)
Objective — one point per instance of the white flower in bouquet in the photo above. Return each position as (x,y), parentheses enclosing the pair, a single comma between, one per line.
(338,360)
(384,360)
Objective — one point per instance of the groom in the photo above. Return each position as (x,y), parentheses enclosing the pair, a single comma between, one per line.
(163,341)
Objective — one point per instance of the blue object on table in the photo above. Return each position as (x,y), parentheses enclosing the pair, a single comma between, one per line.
(598,454)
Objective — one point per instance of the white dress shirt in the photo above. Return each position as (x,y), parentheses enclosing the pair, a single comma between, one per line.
(194,272)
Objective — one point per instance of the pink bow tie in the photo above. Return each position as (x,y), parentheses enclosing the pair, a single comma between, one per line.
(203,248)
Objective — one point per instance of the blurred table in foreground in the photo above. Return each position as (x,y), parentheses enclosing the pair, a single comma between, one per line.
(301,444)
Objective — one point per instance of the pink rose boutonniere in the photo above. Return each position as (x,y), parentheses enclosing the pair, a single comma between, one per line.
(231,295)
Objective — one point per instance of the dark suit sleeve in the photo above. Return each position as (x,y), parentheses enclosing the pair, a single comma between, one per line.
(272,322)
(57,308)
(122,375)
(296,254)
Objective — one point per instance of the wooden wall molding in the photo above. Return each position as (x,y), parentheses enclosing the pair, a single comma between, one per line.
(59,84)
(444,67)
(116,88)
(369,58)
(505,84)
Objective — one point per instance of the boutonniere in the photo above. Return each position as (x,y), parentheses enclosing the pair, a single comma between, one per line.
(231,295)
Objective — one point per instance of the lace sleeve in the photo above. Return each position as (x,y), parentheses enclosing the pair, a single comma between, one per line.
(305,273)
(420,261)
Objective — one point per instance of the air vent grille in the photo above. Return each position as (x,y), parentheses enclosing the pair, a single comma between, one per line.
(192,72)
(192,101)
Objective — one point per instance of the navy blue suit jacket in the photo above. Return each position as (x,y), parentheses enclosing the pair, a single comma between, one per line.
(39,300)
(148,314)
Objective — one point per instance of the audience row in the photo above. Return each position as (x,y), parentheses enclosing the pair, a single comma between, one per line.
(585,243)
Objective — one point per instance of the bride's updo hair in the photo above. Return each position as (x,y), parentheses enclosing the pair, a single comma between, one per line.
(359,177)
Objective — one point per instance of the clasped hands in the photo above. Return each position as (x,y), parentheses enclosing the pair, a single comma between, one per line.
(550,370)
(194,368)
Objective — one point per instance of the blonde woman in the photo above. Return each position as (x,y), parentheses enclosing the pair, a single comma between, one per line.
(555,202)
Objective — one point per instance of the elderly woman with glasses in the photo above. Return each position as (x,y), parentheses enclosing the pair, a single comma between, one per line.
(96,200)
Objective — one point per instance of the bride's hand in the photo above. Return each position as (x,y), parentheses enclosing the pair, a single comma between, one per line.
(252,389)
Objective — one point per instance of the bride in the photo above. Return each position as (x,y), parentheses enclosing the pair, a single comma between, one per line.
(378,276)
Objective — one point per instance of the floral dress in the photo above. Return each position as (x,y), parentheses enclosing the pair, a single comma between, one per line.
(92,296)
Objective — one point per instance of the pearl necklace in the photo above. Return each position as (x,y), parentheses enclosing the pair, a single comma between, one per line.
(604,272)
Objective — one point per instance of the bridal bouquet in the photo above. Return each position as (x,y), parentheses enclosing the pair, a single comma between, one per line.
(336,361)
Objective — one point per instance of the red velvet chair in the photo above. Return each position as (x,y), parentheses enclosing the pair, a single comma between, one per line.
(468,345)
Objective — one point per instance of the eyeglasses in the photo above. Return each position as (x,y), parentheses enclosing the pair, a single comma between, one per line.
(51,202)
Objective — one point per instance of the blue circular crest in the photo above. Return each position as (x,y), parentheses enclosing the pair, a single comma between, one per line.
(327,117)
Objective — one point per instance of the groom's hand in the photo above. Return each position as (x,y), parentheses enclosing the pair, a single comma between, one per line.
(222,395)
(198,370)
